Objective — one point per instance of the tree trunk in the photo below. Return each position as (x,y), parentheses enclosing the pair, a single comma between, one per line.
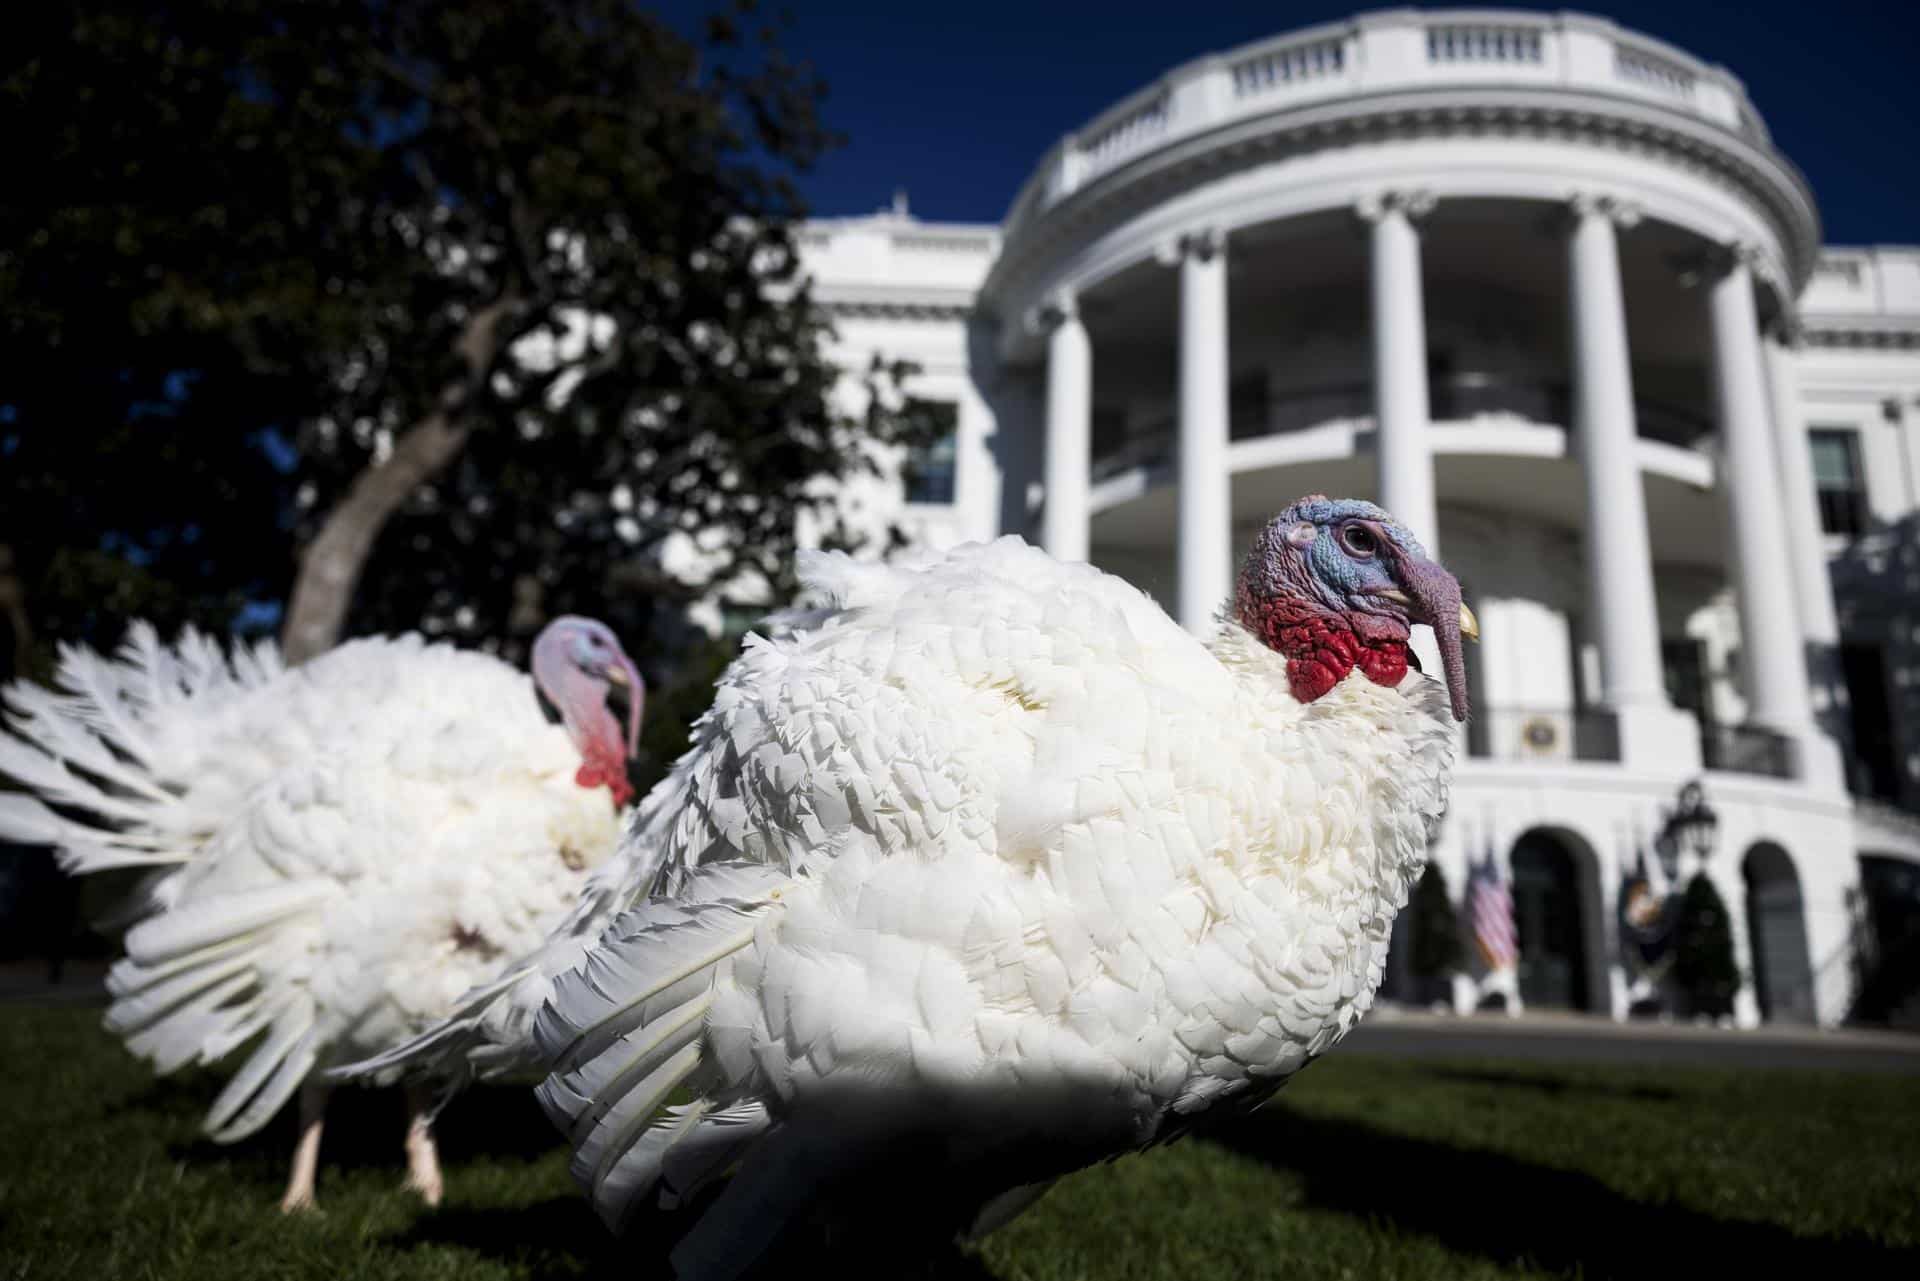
(330,567)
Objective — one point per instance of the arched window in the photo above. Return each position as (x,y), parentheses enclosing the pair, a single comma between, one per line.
(1552,915)
(1777,935)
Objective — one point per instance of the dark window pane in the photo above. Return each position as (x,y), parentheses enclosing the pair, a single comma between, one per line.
(1836,480)
(928,471)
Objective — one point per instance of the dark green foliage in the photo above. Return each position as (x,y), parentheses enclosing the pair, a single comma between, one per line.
(1703,964)
(671,711)
(1435,927)
(242,256)
(1362,1167)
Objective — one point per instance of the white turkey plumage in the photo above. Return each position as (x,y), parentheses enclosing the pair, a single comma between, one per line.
(989,868)
(336,851)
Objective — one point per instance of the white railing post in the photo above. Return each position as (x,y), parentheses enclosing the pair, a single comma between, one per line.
(1716,100)
(1586,48)
(1204,97)
(1071,167)
(1392,47)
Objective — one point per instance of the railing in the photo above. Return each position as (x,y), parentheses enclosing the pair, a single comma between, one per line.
(1483,42)
(1655,72)
(1387,53)
(1289,64)
(1134,129)
(1452,398)
(1743,749)
(1543,734)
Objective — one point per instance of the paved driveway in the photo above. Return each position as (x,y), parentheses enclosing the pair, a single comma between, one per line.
(1559,1038)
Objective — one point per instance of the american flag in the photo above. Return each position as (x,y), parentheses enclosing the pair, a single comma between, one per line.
(1492,906)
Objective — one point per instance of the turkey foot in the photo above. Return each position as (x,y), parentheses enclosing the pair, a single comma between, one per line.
(306,1154)
(423,1158)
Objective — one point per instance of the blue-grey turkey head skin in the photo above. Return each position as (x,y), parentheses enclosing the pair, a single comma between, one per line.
(1336,584)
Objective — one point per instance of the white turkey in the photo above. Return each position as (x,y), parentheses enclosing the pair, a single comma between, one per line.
(337,851)
(983,872)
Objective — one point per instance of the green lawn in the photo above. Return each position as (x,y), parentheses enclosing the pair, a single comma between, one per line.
(1364,1168)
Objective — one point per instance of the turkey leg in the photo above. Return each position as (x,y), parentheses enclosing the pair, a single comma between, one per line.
(423,1158)
(306,1154)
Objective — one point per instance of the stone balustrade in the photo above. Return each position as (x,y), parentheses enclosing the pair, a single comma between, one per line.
(1390,52)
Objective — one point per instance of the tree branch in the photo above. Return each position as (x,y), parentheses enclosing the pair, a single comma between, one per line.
(331,567)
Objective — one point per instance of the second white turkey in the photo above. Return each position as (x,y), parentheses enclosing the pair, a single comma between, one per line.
(337,852)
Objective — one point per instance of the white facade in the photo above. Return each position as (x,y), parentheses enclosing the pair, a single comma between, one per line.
(1544,288)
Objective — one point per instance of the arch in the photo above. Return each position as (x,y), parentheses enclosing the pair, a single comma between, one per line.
(1557,917)
(1777,935)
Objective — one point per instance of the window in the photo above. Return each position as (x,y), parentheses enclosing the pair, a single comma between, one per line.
(927,471)
(1836,480)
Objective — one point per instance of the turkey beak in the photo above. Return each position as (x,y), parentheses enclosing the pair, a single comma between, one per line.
(623,673)
(1434,599)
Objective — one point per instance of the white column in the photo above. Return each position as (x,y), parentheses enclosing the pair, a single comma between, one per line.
(1404,452)
(1063,520)
(1624,618)
(1812,589)
(1769,631)
(1206,498)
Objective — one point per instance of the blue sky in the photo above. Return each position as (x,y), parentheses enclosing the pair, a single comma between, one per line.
(956,102)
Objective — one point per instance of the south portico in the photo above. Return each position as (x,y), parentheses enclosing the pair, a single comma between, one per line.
(1157,248)
(1529,280)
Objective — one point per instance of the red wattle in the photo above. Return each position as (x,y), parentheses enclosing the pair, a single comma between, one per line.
(1321,648)
(593,772)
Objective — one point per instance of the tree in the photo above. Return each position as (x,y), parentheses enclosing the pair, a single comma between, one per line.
(1435,927)
(493,311)
(1703,963)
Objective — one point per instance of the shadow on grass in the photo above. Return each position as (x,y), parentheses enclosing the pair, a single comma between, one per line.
(1514,1212)
(364,1130)
(1555,1086)
(557,1237)
(531,1237)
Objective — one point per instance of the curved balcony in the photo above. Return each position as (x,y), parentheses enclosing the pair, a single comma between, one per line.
(1448,109)
(1540,734)
(1453,398)
(1392,51)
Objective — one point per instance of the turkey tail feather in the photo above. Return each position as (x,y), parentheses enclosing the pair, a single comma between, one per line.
(94,744)
(189,990)
(618,1059)
(269,1078)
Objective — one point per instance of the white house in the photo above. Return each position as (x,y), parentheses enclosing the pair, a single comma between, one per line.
(1545,289)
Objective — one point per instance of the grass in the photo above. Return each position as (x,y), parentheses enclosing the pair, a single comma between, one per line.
(1364,1168)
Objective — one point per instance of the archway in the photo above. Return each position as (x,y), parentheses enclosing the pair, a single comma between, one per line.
(1777,935)
(1555,906)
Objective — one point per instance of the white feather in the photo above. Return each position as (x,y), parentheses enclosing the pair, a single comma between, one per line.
(1042,875)
(339,850)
